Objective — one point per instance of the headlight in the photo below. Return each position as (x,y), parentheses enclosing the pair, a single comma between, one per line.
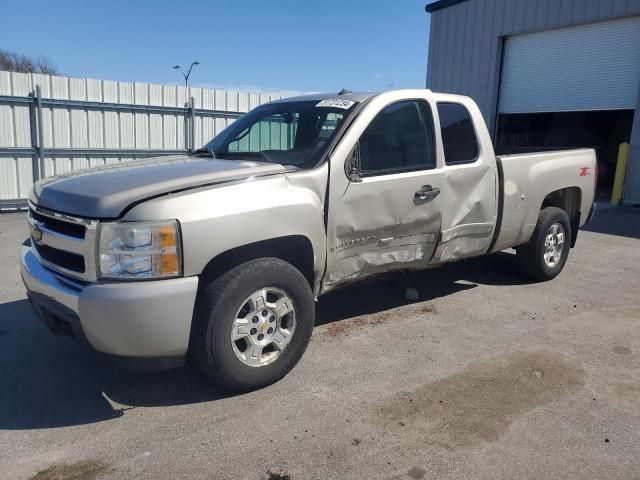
(139,250)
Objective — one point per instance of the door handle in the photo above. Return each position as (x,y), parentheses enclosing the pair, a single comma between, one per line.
(427,193)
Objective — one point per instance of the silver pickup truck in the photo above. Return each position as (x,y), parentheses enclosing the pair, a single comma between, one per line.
(221,253)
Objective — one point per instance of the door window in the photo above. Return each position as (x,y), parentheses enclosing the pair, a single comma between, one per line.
(458,135)
(399,139)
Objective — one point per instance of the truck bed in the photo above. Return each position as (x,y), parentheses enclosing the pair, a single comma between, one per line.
(523,179)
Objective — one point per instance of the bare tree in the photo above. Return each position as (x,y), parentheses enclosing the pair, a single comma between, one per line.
(16,62)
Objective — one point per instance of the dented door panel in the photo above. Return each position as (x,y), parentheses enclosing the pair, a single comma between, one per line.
(380,225)
(469,210)
(470,194)
(383,222)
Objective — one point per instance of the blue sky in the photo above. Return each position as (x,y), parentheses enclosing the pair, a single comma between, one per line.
(274,44)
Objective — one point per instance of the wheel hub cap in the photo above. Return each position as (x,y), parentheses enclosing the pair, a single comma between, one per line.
(553,245)
(263,327)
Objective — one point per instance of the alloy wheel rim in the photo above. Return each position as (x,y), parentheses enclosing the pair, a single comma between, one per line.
(554,245)
(263,327)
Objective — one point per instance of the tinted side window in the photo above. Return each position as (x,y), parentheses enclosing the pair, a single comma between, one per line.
(458,136)
(398,139)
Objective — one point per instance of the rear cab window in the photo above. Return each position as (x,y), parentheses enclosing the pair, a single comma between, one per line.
(458,134)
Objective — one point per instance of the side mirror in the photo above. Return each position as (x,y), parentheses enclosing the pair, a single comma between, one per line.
(352,165)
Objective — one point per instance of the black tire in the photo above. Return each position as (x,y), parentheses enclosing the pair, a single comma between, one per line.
(217,305)
(531,254)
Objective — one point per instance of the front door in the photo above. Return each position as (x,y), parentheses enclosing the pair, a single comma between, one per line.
(389,217)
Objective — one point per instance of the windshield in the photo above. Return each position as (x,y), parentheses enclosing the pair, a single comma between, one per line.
(290,133)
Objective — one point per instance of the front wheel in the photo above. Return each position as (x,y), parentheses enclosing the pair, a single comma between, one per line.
(253,324)
(544,255)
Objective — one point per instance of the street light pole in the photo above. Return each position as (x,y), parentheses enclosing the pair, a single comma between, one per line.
(188,73)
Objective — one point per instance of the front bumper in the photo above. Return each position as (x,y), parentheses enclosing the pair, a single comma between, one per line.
(139,320)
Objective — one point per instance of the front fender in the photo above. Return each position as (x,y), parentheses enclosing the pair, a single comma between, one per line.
(217,219)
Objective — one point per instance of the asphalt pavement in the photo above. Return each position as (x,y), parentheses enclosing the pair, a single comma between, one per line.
(486,376)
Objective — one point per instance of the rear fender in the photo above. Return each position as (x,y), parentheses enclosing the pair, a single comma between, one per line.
(532,179)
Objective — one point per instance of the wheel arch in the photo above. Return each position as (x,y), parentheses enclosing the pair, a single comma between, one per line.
(294,249)
(568,199)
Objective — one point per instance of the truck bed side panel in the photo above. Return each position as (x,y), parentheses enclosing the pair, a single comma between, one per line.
(529,178)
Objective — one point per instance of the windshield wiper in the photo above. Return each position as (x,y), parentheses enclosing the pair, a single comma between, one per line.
(207,151)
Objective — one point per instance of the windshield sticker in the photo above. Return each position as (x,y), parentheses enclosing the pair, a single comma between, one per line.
(336,103)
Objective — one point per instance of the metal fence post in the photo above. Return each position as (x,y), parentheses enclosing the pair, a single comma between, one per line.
(33,130)
(192,125)
(40,163)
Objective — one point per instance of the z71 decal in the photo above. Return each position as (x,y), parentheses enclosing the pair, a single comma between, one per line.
(585,171)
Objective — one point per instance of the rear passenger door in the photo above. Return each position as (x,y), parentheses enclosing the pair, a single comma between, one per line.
(470,182)
(389,218)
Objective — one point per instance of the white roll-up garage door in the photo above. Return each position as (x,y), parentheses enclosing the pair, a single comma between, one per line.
(588,67)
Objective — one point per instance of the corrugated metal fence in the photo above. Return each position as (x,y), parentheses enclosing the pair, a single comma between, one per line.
(52,124)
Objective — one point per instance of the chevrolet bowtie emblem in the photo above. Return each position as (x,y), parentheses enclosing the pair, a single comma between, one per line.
(36,233)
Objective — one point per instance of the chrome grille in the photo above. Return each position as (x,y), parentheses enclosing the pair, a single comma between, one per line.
(63,243)
(59,226)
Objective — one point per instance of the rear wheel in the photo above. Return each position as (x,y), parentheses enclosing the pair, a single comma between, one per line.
(253,324)
(544,255)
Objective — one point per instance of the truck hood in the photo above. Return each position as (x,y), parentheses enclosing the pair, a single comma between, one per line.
(105,191)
